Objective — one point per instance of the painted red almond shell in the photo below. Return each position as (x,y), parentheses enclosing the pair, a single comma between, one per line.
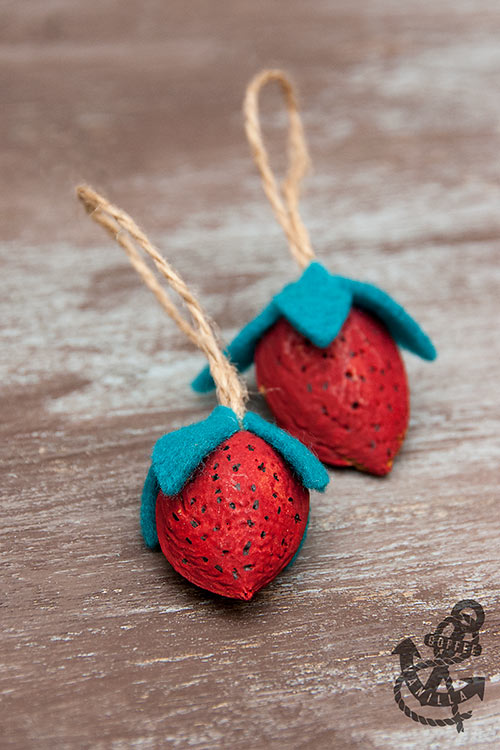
(348,402)
(238,521)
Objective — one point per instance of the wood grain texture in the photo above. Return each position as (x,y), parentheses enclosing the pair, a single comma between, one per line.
(103,646)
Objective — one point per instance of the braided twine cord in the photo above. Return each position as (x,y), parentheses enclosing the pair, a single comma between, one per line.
(201,331)
(285,202)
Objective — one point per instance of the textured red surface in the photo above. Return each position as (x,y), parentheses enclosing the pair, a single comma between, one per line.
(348,402)
(238,522)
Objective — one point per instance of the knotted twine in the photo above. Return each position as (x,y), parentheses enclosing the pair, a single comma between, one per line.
(284,203)
(231,391)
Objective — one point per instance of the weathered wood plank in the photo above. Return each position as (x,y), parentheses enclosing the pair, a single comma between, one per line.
(102,644)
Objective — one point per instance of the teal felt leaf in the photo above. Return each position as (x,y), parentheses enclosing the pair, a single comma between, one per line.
(148,509)
(177,454)
(310,470)
(242,348)
(316,305)
(403,328)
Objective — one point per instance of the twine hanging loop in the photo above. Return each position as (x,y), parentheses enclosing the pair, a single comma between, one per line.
(285,202)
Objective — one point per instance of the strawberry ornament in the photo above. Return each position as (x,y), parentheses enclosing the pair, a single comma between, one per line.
(226,499)
(326,347)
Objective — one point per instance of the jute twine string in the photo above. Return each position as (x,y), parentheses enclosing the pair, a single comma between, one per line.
(284,203)
(230,389)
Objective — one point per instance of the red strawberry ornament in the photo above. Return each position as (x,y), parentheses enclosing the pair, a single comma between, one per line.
(228,502)
(226,498)
(237,522)
(329,367)
(325,347)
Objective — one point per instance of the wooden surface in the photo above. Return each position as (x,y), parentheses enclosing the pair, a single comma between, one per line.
(103,645)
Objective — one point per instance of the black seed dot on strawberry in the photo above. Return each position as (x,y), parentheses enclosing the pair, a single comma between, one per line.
(253,488)
(261,467)
(262,534)
(296,518)
(348,374)
(203,538)
(355,405)
(194,523)
(236,467)
(235,575)
(324,409)
(256,505)
(283,542)
(184,560)
(325,386)
(250,447)
(192,501)
(275,494)
(247,567)
(218,567)
(225,552)
(250,522)
(217,491)
(266,518)
(226,448)
(175,517)
(276,477)
(205,559)
(203,508)
(290,499)
(232,505)
(215,477)
(246,548)
(216,528)
(188,540)
(237,486)
(216,466)
(279,509)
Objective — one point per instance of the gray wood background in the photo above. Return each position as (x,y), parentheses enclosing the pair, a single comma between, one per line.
(102,645)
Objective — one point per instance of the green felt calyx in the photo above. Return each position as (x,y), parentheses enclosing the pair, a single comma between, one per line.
(317,305)
(178,454)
